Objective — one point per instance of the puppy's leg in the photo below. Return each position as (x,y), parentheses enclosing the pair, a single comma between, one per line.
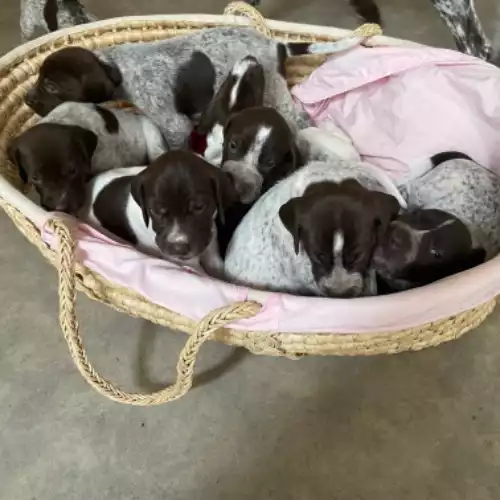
(32,23)
(461,18)
(156,144)
(211,261)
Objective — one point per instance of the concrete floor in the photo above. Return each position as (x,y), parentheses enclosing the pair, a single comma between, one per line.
(419,426)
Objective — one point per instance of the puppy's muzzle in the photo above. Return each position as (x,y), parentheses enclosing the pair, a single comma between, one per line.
(30,98)
(247,181)
(341,284)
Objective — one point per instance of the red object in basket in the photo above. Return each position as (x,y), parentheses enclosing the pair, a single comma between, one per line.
(197,142)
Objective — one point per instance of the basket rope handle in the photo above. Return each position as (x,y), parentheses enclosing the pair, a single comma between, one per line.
(187,358)
(259,21)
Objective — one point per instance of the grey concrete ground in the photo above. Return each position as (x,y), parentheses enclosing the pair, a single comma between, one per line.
(419,426)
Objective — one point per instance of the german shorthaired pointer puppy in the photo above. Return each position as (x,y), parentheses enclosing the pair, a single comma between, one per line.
(76,141)
(169,208)
(421,247)
(313,233)
(147,74)
(464,189)
(39,17)
(453,225)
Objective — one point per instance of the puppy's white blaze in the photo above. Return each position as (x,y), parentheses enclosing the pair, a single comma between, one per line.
(251,159)
(446,223)
(239,70)
(176,235)
(443,224)
(215,143)
(338,244)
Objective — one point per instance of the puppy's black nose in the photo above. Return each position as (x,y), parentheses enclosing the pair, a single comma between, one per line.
(30,98)
(180,249)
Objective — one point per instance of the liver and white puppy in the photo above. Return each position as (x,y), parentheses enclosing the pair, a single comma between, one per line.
(243,88)
(464,189)
(169,208)
(77,140)
(39,17)
(454,225)
(421,247)
(313,233)
(146,74)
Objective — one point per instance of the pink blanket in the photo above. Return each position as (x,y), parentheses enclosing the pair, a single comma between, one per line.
(402,105)
(398,105)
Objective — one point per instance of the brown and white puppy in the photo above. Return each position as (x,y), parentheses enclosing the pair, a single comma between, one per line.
(313,233)
(168,208)
(421,247)
(76,141)
(243,88)
(259,150)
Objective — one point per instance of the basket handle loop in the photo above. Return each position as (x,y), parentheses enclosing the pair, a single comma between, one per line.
(246,10)
(216,319)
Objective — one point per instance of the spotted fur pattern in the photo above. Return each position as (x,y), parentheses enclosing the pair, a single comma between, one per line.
(136,141)
(466,190)
(39,17)
(261,253)
(153,66)
(461,18)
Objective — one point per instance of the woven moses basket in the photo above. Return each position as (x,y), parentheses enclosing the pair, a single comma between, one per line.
(18,71)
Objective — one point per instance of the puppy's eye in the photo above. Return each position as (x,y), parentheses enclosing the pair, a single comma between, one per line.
(233,145)
(436,253)
(50,87)
(159,212)
(197,207)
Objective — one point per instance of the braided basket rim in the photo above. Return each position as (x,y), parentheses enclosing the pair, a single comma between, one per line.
(14,82)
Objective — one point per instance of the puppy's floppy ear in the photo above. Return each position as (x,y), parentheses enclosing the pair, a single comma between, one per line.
(249,88)
(15,157)
(194,85)
(138,192)
(243,88)
(112,72)
(86,141)
(290,214)
(224,190)
(385,209)
(217,111)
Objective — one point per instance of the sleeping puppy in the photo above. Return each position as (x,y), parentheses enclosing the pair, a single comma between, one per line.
(39,17)
(168,208)
(77,140)
(422,247)
(313,233)
(467,191)
(454,226)
(126,71)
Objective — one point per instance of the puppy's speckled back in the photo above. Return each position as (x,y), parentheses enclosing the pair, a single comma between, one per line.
(261,253)
(137,141)
(149,72)
(466,190)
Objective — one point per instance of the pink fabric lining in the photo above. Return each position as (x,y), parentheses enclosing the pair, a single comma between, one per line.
(398,105)
(194,296)
(402,105)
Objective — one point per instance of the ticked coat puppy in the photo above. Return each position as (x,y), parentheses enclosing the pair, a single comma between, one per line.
(76,141)
(168,209)
(39,17)
(453,224)
(147,74)
(313,233)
